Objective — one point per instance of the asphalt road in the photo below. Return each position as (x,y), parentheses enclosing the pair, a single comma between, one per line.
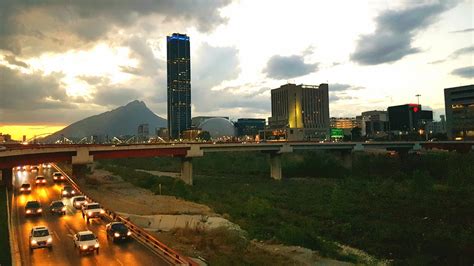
(63,227)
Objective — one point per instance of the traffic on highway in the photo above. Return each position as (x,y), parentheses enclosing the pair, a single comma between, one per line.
(54,225)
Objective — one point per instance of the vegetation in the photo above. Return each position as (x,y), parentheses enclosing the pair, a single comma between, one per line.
(415,211)
(5,254)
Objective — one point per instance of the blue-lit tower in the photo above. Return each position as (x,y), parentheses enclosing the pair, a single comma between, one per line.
(179,84)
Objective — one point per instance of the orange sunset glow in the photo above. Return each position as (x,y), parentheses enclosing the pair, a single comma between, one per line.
(17,131)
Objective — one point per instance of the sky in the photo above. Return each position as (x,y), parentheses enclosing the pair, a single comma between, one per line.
(62,61)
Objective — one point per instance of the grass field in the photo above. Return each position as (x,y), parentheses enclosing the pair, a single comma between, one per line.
(417,212)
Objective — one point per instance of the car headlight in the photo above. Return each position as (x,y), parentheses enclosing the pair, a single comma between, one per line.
(50,240)
(33,242)
(89,213)
(44,181)
(39,210)
(64,209)
(129,233)
(64,192)
(29,188)
(21,189)
(96,245)
(102,211)
(117,235)
(77,203)
(73,192)
(28,211)
(84,246)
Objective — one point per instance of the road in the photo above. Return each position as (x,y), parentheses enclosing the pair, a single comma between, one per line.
(63,227)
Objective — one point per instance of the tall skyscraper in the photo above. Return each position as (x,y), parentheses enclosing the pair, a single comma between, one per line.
(179,84)
(459,103)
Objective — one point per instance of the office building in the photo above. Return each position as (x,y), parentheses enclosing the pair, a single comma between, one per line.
(249,126)
(302,110)
(459,104)
(179,84)
(374,123)
(437,127)
(408,117)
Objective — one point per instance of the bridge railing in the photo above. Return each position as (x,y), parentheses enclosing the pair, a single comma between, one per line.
(171,256)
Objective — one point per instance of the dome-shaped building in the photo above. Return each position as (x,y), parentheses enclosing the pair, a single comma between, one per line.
(218,127)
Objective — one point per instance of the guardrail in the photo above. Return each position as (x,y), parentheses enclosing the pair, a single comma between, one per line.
(148,240)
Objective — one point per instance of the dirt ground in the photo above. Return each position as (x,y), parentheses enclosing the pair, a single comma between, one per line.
(120,196)
(216,246)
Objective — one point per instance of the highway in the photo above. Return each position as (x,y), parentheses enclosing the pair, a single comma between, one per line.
(62,229)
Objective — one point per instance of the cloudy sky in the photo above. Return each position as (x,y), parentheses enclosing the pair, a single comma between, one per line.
(61,61)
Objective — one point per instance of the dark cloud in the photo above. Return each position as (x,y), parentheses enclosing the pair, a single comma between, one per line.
(464,72)
(107,96)
(456,54)
(463,31)
(30,91)
(11,59)
(394,33)
(26,25)
(286,67)
(149,65)
(333,97)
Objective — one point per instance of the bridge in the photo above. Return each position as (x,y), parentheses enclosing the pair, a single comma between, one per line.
(80,155)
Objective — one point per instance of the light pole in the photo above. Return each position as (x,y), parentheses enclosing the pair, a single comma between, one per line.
(418,98)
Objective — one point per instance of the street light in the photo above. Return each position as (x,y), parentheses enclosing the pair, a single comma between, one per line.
(418,98)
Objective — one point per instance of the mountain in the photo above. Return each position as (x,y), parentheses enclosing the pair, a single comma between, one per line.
(123,120)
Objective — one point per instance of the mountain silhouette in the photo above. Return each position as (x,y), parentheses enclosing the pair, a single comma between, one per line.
(121,121)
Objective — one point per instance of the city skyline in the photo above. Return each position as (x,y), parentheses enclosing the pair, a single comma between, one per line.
(62,69)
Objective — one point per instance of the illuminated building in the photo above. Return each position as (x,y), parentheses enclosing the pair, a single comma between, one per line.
(408,117)
(459,104)
(344,122)
(301,109)
(179,84)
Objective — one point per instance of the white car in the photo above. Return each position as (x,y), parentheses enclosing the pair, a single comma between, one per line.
(78,201)
(40,238)
(92,210)
(86,241)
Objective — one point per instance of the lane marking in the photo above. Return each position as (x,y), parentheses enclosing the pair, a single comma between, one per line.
(119,261)
(57,236)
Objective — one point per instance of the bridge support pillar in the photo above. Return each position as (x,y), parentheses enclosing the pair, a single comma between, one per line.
(275,166)
(7,177)
(346,159)
(79,170)
(187,170)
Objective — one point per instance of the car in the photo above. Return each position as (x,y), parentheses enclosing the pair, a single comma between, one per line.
(46,165)
(18,168)
(68,191)
(40,238)
(33,207)
(92,210)
(40,180)
(78,201)
(117,231)
(34,169)
(25,188)
(58,177)
(57,207)
(86,241)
